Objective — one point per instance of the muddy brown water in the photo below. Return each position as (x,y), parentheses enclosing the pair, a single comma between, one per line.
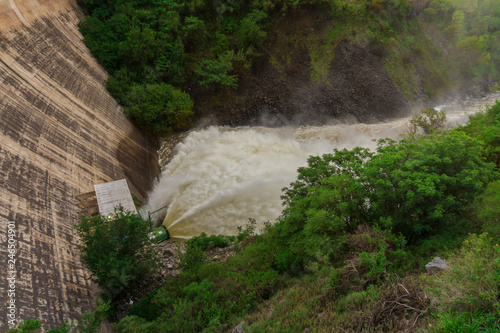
(219,177)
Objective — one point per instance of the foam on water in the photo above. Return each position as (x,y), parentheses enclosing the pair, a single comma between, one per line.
(220,177)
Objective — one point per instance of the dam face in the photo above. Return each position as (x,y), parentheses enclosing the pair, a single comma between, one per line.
(60,133)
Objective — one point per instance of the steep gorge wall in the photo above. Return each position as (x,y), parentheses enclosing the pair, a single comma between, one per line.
(60,133)
(418,6)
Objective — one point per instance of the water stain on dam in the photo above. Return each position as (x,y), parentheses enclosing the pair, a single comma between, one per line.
(60,133)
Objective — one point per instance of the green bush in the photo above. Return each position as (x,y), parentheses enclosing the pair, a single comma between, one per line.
(486,127)
(89,322)
(428,120)
(206,242)
(159,107)
(217,71)
(118,252)
(250,33)
(488,210)
(469,290)
(417,186)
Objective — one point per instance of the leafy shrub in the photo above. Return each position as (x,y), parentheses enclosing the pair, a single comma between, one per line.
(323,204)
(417,186)
(193,258)
(120,84)
(89,322)
(467,294)
(428,120)
(486,127)
(206,242)
(217,71)
(159,107)
(250,32)
(488,210)
(117,251)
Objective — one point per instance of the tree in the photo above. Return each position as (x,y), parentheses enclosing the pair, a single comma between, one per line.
(249,32)
(428,120)
(488,210)
(140,48)
(325,203)
(117,251)
(159,107)
(414,187)
(417,186)
(216,71)
(485,126)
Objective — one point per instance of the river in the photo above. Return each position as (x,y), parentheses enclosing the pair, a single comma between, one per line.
(219,177)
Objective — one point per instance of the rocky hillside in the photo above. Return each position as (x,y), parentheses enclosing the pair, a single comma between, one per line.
(60,133)
(281,62)
(284,86)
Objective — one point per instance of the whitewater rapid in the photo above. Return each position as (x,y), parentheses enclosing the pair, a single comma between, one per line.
(219,177)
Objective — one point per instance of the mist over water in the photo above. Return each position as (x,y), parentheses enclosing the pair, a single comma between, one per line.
(219,176)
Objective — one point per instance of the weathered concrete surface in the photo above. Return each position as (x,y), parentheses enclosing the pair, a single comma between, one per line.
(60,133)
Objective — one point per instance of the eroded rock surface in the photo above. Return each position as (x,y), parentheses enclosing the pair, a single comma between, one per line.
(60,133)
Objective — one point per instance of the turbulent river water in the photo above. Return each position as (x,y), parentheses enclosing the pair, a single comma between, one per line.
(219,177)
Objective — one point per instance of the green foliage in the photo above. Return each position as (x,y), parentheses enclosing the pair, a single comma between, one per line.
(206,242)
(488,210)
(195,256)
(209,296)
(28,326)
(216,71)
(418,186)
(140,47)
(190,43)
(463,322)
(192,259)
(89,322)
(428,120)
(469,291)
(117,251)
(250,32)
(486,127)
(472,30)
(159,107)
(415,187)
(247,231)
(119,85)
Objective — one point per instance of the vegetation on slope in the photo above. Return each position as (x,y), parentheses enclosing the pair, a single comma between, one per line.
(159,52)
(456,45)
(348,250)
(347,254)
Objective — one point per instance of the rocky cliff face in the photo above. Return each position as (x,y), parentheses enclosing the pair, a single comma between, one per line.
(281,89)
(60,133)
(418,6)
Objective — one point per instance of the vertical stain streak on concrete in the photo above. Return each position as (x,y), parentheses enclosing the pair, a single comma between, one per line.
(60,133)
(66,317)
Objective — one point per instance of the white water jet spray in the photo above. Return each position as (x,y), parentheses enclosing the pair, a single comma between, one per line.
(220,177)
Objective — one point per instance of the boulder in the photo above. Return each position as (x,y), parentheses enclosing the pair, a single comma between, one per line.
(436,265)
(239,328)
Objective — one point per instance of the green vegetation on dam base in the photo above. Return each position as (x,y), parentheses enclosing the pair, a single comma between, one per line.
(170,60)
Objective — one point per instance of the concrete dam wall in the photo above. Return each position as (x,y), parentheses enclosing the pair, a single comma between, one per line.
(60,133)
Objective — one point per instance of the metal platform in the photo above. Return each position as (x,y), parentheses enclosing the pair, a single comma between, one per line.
(113,195)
